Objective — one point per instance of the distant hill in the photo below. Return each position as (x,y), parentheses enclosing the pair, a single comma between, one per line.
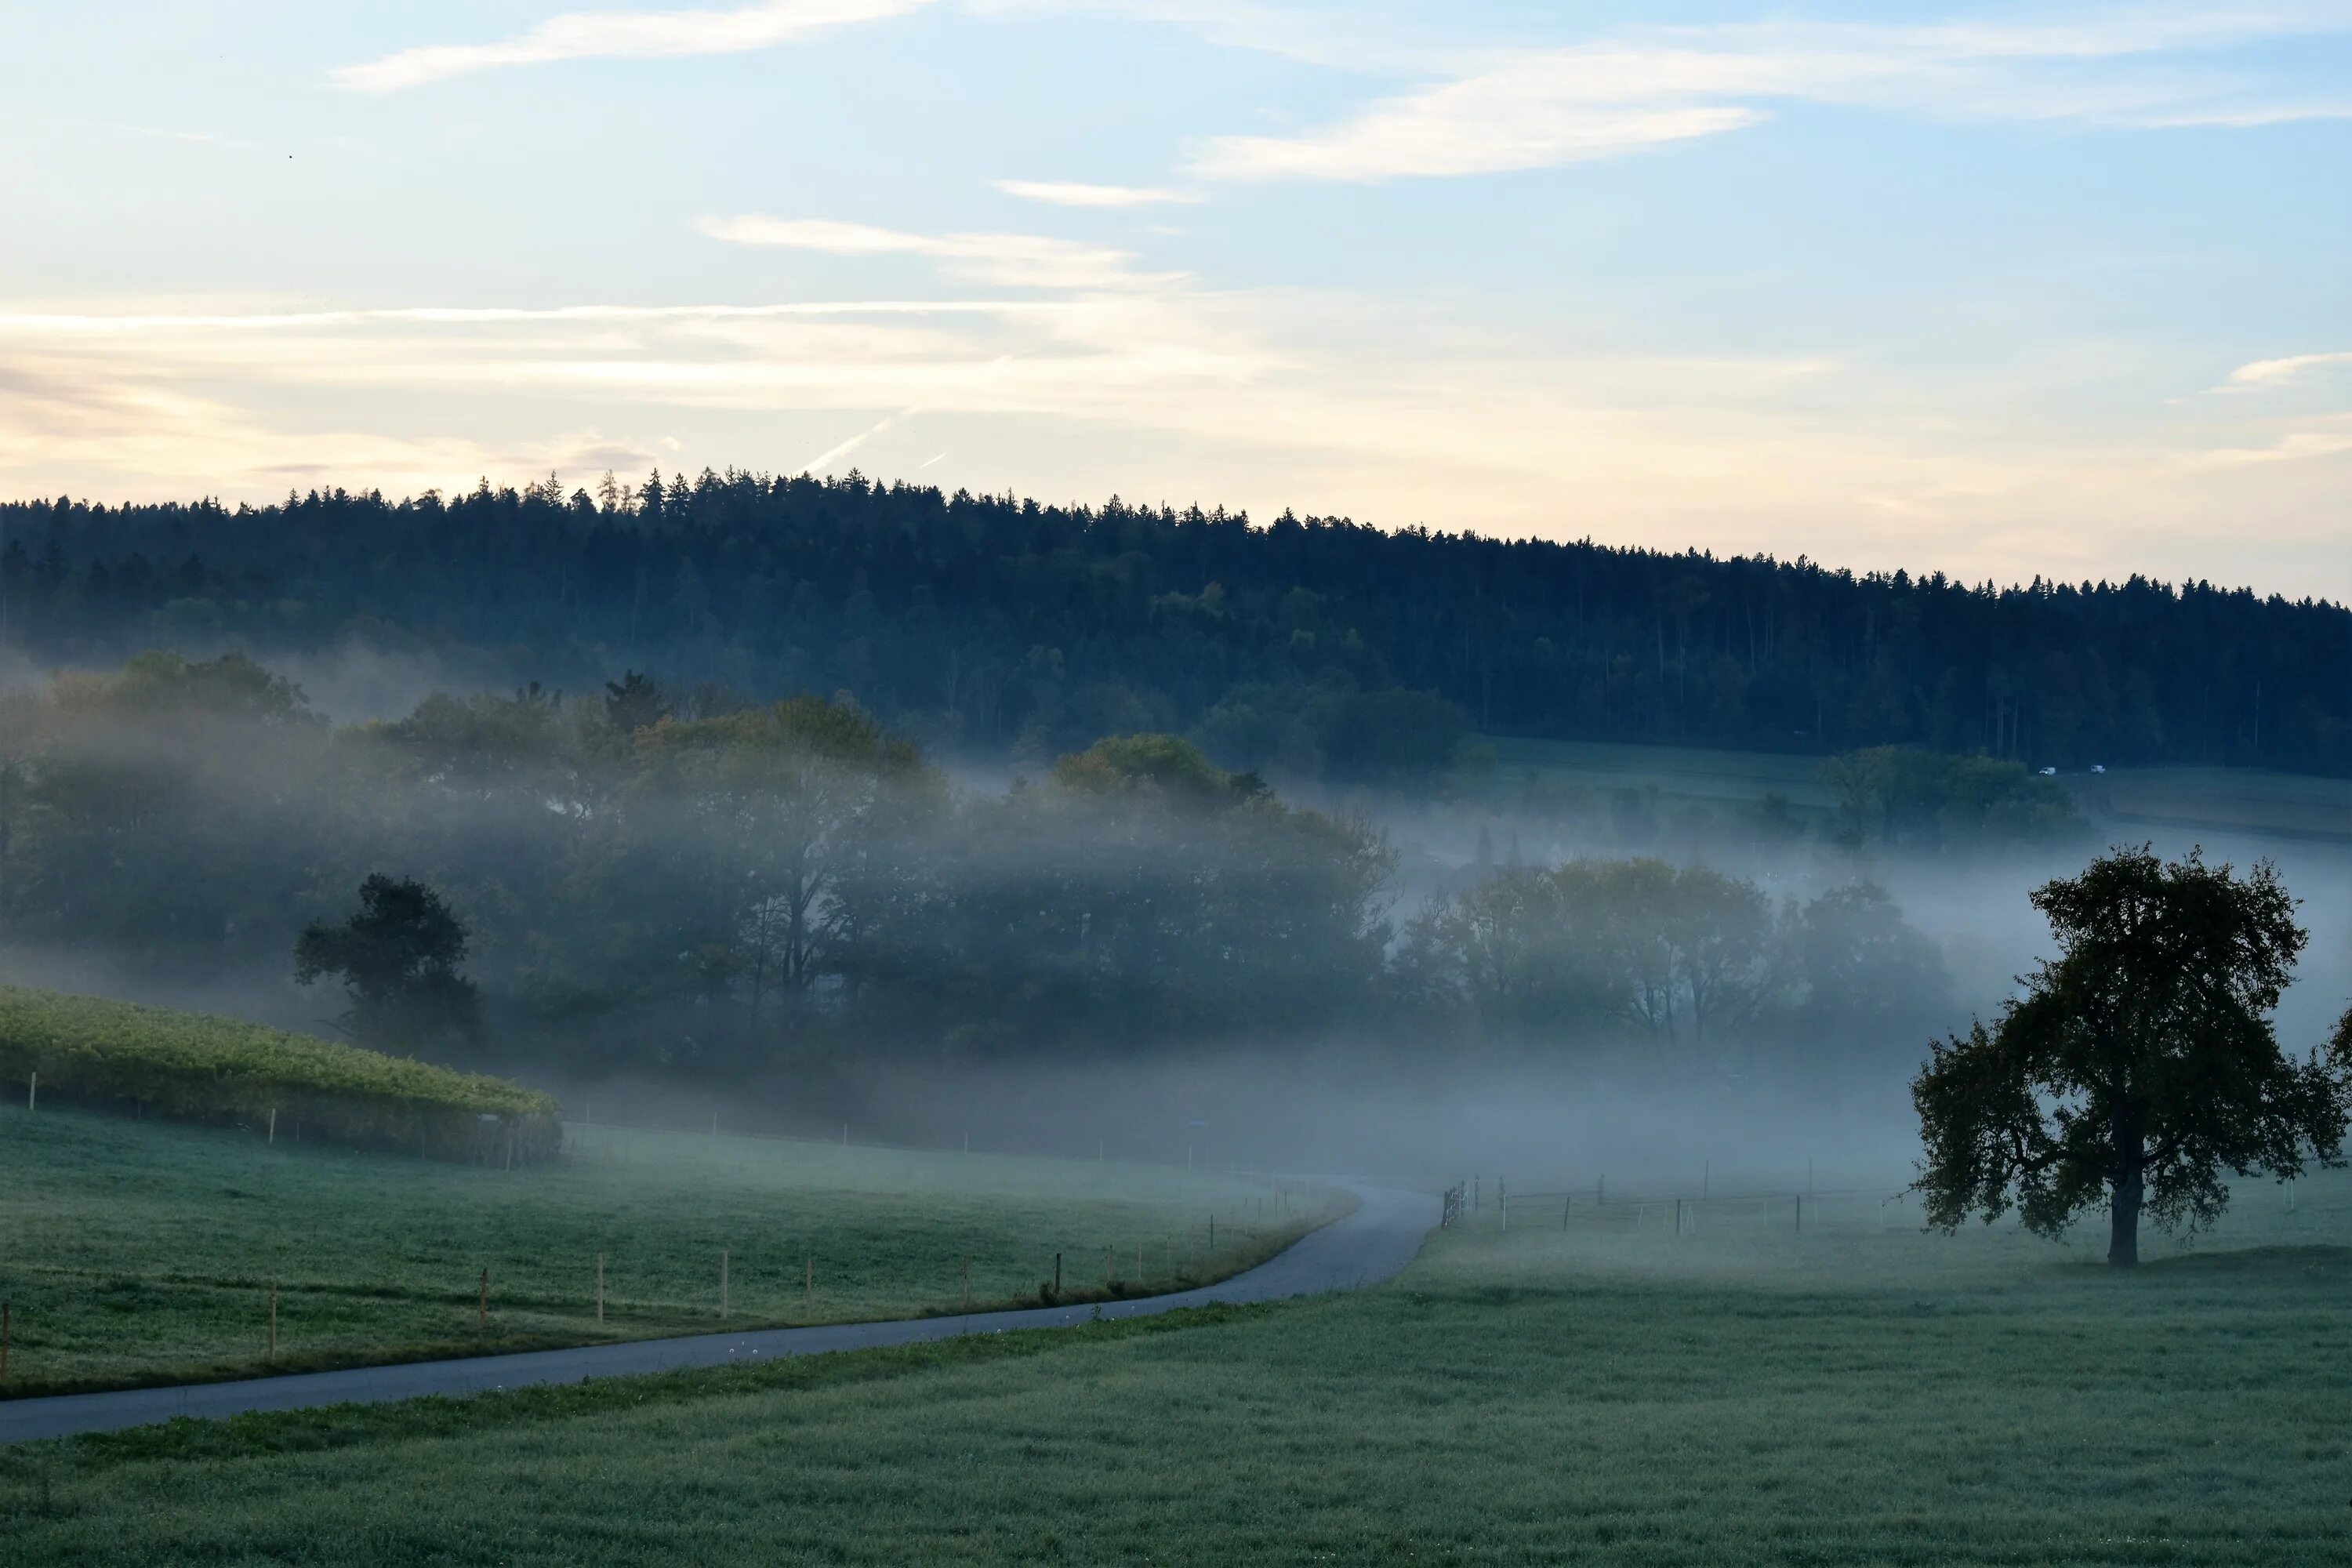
(1316,648)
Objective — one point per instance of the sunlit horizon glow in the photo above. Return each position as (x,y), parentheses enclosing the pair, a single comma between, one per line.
(2040,293)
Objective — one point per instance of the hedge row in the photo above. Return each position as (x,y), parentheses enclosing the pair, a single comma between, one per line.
(199,1067)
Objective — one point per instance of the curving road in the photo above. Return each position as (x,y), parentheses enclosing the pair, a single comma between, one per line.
(1368,1245)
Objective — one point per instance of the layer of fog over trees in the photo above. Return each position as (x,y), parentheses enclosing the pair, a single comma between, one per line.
(681,901)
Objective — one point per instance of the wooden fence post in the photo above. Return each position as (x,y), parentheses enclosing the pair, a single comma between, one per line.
(1705,1177)
(1567,1203)
(482,1308)
(1600,1189)
(808,1284)
(33,1091)
(1678,1216)
(967,1279)
(4,1308)
(273,1124)
(273,1322)
(600,1286)
(722,1281)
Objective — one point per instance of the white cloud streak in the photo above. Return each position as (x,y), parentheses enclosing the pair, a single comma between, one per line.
(2294,447)
(1067,193)
(1537,108)
(133,323)
(621,35)
(2277,372)
(1015,260)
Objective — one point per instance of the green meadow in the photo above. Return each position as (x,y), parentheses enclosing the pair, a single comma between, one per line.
(1602,1392)
(137,1251)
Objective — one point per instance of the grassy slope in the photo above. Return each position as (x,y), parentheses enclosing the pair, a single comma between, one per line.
(1865,1395)
(143,1251)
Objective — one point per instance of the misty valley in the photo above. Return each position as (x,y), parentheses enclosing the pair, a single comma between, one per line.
(1246,783)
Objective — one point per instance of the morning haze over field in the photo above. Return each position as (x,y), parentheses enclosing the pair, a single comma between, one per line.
(989,781)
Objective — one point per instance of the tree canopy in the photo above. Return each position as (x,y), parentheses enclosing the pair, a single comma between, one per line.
(399,957)
(2141,1063)
(1306,648)
(657,880)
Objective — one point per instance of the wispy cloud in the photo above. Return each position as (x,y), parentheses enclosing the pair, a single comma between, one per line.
(134,323)
(1537,108)
(621,35)
(2277,372)
(1067,194)
(2333,438)
(1016,260)
(1323,400)
(203,138)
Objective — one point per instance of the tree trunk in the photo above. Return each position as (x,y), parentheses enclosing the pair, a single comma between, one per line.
(2123,1231)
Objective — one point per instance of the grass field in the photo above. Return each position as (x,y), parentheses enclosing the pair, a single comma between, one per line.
(1689,772)
(1602,1394)
(142,1251)
(2248,800)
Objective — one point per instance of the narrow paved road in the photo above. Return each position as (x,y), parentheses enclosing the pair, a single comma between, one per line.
(1368,1245)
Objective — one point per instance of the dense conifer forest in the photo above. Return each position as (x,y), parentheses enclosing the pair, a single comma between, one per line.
(1306,648)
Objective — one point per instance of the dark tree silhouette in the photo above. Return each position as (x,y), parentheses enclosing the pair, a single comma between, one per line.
(634,702)
(2139,1064)
(1313,646)
(398,958)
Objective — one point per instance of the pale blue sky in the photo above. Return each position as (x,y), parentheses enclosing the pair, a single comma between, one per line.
(1997,290)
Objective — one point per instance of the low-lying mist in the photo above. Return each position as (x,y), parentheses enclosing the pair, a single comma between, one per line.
(784,916)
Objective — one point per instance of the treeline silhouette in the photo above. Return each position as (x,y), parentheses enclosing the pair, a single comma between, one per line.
(1306,648)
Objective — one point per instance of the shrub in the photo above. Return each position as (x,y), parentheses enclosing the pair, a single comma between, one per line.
(203,1068)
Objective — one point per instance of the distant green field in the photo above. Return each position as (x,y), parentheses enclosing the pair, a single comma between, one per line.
(2215,799)
(1602,1394)
(1691,773)
(140,1251)
(2239,798)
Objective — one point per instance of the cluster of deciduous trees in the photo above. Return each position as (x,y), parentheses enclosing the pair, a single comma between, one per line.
(644,881)
(1313,648)
(708,891)
(1685,968)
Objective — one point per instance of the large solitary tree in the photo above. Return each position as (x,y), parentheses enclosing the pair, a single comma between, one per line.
(2139,1064)
(399,959)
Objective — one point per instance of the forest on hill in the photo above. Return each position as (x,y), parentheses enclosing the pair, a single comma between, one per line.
(1308,648)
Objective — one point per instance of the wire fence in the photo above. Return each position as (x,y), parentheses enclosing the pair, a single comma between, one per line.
(657,1230)
(2257,1208)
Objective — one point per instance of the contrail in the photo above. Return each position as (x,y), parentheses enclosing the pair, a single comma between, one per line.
(833,455)
(928,462)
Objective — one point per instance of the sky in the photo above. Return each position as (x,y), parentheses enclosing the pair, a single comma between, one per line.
(2000,290)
